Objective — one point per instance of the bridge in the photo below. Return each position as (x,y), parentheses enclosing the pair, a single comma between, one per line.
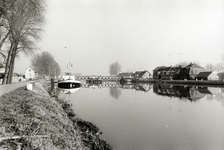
(107,78)
(103,85)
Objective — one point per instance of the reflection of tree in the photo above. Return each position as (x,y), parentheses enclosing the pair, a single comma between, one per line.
(217,94)
(115,92)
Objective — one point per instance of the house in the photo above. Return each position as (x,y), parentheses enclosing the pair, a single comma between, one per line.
(207,76)
(30,74)
(190,72)
(158,71)
(126,75)
(142,75)
(167,73)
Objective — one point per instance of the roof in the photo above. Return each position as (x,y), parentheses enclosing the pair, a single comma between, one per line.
(192,65)
(159,68)
(28,68)
(125,73)
(203,74)
(141,73)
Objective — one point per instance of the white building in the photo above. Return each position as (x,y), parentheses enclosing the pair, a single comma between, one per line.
(29,74)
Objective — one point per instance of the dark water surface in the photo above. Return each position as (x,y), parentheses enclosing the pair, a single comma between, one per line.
(158,118)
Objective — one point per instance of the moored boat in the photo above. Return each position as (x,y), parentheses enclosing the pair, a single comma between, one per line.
(69,86)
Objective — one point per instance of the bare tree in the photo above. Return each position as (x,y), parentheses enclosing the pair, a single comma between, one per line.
(219,67)
(45,64)
(209,67)
(185,63)
(25,21)
(115,68)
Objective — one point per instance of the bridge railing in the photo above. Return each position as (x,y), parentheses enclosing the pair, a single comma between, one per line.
(98,78)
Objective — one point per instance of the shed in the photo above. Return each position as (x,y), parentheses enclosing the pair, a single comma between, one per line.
(142,75)
(207,76)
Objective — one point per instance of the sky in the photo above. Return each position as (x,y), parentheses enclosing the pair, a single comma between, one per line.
(138,34)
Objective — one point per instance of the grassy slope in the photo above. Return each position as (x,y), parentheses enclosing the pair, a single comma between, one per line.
(34,120)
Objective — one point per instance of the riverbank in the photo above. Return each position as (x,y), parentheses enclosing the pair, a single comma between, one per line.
(214,83)
(210,83)
(36,120)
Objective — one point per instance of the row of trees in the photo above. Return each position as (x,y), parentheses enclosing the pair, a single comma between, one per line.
(21,26)
(45,64)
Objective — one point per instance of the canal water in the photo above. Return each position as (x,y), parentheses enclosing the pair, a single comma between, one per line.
(154,117)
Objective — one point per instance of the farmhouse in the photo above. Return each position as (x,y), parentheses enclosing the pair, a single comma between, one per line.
(30,74)
(190,71)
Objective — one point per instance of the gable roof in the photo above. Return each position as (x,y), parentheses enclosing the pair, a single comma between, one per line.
(192,65)
(141,73)
(203,74)
(30,68)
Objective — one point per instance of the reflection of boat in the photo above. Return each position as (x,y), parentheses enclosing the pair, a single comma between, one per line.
(69,86)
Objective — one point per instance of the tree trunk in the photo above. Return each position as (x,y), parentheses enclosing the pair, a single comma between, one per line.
(7,63)
(12,62)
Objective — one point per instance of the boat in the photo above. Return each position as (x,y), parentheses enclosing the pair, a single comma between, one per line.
(68,76)
(69,86)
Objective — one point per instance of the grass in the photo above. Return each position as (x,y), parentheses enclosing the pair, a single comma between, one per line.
(34,120)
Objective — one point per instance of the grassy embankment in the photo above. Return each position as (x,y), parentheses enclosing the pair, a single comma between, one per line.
(35,120)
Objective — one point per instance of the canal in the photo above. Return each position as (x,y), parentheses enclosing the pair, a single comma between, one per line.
(157,117)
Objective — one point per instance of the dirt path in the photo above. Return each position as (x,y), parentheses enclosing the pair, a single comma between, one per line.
(10,87)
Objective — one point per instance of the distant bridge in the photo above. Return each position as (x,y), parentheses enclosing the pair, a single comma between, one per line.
(104,85)
(109,78)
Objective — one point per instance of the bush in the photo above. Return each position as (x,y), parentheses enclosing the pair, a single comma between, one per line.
(221,75)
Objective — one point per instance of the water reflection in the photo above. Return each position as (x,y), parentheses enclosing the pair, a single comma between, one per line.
(137,86)
(115,92)
(192,93)
(115,87)
(161,117)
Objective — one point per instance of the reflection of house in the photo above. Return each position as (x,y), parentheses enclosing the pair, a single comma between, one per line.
(207,76)
(143,87)
(197,93)
(29,73)
(190,71)
(190,93)
(138,87)
(128,86)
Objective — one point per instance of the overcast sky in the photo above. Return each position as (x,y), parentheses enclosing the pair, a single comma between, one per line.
(139,34)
